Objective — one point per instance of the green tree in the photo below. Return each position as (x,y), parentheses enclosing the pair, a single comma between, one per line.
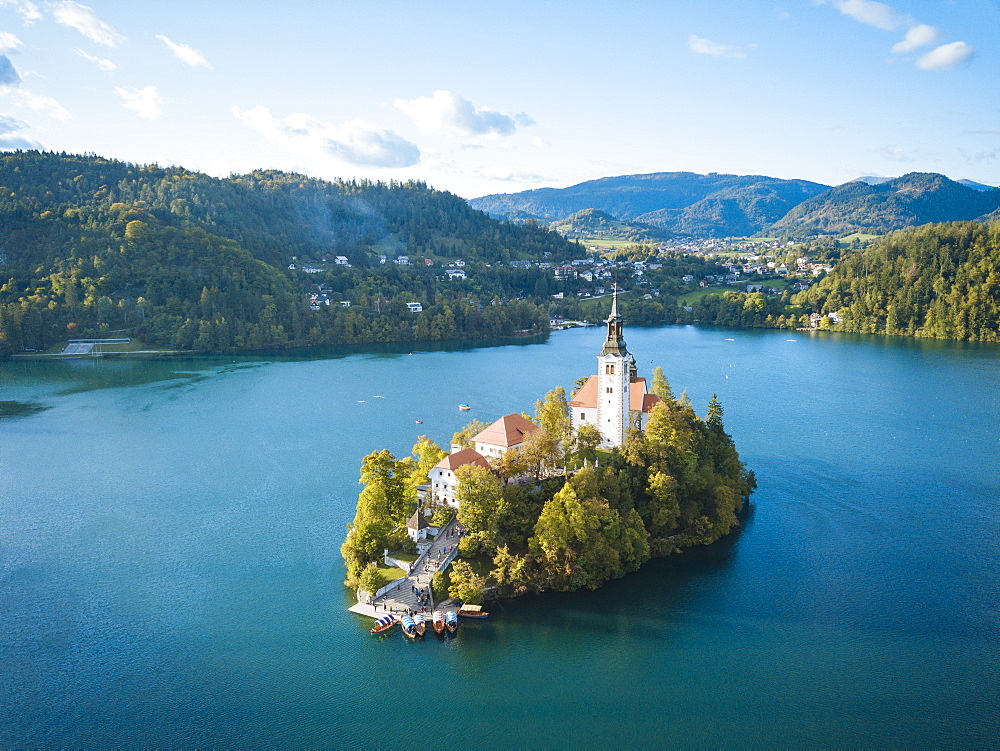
(481,508)
(369,579)
(661,386)
(466,584)
(381,511)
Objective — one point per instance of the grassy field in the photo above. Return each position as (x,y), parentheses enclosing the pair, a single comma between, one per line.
(389,575)
(863,238)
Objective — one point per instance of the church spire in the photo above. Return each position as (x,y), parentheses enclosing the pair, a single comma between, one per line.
(614,344)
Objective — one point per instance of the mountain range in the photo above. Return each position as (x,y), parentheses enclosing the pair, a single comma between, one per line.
(717,205)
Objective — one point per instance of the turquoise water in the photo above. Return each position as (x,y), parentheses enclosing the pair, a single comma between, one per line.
(169,568)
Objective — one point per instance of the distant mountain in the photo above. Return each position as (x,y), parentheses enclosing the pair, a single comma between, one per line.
(680,202)
(913,199)
(591,222)
(872,179)
(878,180)
(974,185)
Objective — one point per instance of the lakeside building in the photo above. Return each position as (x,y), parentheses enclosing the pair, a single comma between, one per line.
(613,400)
(616,398)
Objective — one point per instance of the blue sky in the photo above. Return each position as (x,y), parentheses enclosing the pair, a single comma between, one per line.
(480,98)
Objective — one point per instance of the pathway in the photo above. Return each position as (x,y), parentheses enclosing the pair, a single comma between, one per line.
(407,594)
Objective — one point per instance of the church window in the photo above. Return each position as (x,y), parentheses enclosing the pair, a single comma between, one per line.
(609,369)
(583,417)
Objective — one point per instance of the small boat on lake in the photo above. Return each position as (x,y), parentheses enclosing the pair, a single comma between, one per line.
(409,626)
(464,407)
(437,621)
(472,611)
(384,623)
(421,624)
(451,621)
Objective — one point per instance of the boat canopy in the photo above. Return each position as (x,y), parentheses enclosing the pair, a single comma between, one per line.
(472,608)
(385,620)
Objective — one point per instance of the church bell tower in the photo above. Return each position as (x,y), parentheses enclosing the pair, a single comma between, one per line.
(615,372)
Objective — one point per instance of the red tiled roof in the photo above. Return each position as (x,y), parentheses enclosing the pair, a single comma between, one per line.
(638,399)
(587,396)
(460,459)
(649,401)
(509,430)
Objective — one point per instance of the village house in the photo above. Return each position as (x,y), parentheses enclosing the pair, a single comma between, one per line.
(414,307)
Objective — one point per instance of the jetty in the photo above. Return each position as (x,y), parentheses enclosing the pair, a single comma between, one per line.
(413,592)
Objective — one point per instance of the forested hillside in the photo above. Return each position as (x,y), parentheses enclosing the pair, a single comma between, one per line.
(181,260)
(940,281)
(907,201)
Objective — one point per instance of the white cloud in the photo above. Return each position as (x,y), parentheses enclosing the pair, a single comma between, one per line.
(447,113)
(356,142)
(12,137)
(917,36)
(879,15)
(103,63)
(946,56)
(83,19)
(895,154)
(39,103)
(9,42)
(704,46)
(28,10)
(146,103)
(185,53)
(8,73)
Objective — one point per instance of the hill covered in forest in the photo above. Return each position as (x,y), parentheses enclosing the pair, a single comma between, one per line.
(913,199)
(596,223)
(187,261)
(939,281)
(712,205)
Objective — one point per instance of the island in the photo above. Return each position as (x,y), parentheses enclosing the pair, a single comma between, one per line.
(586,490)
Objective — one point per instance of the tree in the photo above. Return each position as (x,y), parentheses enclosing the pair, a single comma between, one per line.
(481,508)
(382,507)
(370,580)
(585,442)
(714,417)
(661,386)
(426,454)
(466,584)
(464,437)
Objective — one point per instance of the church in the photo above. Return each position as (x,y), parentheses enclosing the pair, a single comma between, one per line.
(616,398)
(612,401)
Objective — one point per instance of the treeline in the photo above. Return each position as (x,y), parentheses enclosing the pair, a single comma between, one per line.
(548,517)
(940,281)
(181,260)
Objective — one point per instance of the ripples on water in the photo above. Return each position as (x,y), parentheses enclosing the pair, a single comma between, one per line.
(169,572)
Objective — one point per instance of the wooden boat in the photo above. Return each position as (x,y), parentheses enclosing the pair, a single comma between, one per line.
(421,624)
(472,611)
(464,407)
(384,623)
(409,626)
(451,621)
(437,621)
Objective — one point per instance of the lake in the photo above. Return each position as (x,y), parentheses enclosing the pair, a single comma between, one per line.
(170,571)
